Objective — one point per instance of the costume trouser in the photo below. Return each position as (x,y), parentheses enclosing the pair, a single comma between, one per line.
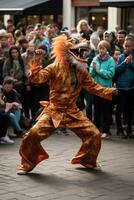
(32,152)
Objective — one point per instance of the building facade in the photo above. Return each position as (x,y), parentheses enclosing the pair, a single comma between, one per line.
(74,10)
(106,13)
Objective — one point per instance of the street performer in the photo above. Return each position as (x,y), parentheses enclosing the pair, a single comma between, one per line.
(67,75)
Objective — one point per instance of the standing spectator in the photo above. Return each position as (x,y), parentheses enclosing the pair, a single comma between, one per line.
(29,28)
(30,36)
(99,32)
(120,39)
(14,67)
(38,37)
(116,55)
(130,29)
(94,40)
(102,70)
(4,48)
(125,85)
(17,34)
(84,29)
(50,34)
(117,28)
(10,28)
(10,22)
(39,92)
(106,36)
(28,103)
(11,40)
(21,27)
(22,44)
(110,37)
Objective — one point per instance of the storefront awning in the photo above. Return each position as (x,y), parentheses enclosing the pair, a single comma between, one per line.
(117,3)
(82,3)
(18,6)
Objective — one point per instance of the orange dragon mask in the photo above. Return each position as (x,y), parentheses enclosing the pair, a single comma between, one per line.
(69,51)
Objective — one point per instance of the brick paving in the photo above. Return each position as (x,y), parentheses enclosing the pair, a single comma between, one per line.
(57,179)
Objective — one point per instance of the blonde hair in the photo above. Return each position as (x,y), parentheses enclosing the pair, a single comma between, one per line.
(78,27)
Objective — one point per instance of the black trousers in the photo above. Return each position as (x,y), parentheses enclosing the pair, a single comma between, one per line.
(4,123)
(125,102)
(102,114)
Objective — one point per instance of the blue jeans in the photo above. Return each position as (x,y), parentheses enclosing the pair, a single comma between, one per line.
(15,118)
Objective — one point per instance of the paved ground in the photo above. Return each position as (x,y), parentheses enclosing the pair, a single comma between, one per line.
(57,179)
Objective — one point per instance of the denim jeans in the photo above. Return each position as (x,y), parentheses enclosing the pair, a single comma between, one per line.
(15,118)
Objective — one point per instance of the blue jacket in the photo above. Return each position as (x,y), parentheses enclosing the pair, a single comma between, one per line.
(106,70)
(125,73)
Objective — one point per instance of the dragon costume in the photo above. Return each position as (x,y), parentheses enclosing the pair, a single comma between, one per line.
(67,75)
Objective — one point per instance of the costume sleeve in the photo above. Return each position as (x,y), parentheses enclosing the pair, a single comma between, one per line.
(37,74)
(93,87)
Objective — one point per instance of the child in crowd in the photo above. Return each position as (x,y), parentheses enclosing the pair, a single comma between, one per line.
(116,55)
(102,69)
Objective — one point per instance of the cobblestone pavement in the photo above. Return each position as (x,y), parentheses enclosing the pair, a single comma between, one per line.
(57,179)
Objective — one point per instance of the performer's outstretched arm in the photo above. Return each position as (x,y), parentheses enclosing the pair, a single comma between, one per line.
(90,85)
(37,74)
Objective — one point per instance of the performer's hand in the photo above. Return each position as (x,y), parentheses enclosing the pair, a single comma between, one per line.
(115,91)
(39,52)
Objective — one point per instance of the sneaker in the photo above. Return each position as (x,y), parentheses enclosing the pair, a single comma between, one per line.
(12,135)
(105,136)
(6,140)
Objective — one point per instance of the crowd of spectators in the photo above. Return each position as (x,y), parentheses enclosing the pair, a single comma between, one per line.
(110,63)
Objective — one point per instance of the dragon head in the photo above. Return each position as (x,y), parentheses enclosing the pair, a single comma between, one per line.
(70,50)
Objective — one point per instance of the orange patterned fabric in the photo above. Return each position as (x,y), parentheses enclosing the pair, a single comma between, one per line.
(61,111)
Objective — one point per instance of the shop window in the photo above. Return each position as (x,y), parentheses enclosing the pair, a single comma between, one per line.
(1,21)
(95,16)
